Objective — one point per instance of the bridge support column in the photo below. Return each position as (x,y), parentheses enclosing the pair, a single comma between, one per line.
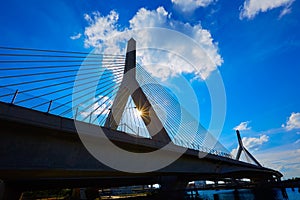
(91,193)
(284,193)
(236,194)
(1,189)
(172,187)
(8,192)
(85,193)
(75,194)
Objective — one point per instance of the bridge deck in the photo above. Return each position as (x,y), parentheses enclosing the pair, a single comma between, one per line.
(40,148)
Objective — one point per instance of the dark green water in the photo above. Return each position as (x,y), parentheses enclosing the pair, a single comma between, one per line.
(245,194)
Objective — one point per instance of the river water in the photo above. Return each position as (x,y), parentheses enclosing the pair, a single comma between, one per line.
(245,194)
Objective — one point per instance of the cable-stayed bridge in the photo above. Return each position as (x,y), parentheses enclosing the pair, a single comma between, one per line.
(53,104)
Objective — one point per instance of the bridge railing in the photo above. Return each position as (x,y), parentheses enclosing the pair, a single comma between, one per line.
(201,148)
(44,108)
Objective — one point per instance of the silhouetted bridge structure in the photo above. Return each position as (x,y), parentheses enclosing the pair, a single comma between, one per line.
(40,146)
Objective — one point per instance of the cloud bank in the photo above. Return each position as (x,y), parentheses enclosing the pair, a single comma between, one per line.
(286,160)
(252,143)
(252,7)
(243,126)
(191,5)
(293,122)
(152,29)
(75,37)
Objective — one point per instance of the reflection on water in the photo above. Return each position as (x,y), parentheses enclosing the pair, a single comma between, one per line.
(245,194)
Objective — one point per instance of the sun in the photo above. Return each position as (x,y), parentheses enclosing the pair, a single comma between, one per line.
(139,112)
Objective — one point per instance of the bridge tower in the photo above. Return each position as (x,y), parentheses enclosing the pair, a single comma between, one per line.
(242,148)
(130,87)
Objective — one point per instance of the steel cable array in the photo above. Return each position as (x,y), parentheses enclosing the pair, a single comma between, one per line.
(83,86)
(182,127)
(43,80)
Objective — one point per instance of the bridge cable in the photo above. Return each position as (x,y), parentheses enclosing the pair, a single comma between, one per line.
(60,90)
(52,85)
(54,51)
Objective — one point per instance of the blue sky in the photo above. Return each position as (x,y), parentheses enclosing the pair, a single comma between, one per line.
(253,44)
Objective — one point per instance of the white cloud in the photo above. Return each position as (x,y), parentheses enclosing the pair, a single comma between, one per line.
(252,7)
(293,122)
(234,151)
(285,11)
(76,36)
(100,106)
(101,31)
(286,160)
(200,57)
(297,141)
(191,5)
(254,143)
(243,126)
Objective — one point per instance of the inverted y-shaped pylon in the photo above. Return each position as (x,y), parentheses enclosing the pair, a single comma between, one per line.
(130,87)
(242,148)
